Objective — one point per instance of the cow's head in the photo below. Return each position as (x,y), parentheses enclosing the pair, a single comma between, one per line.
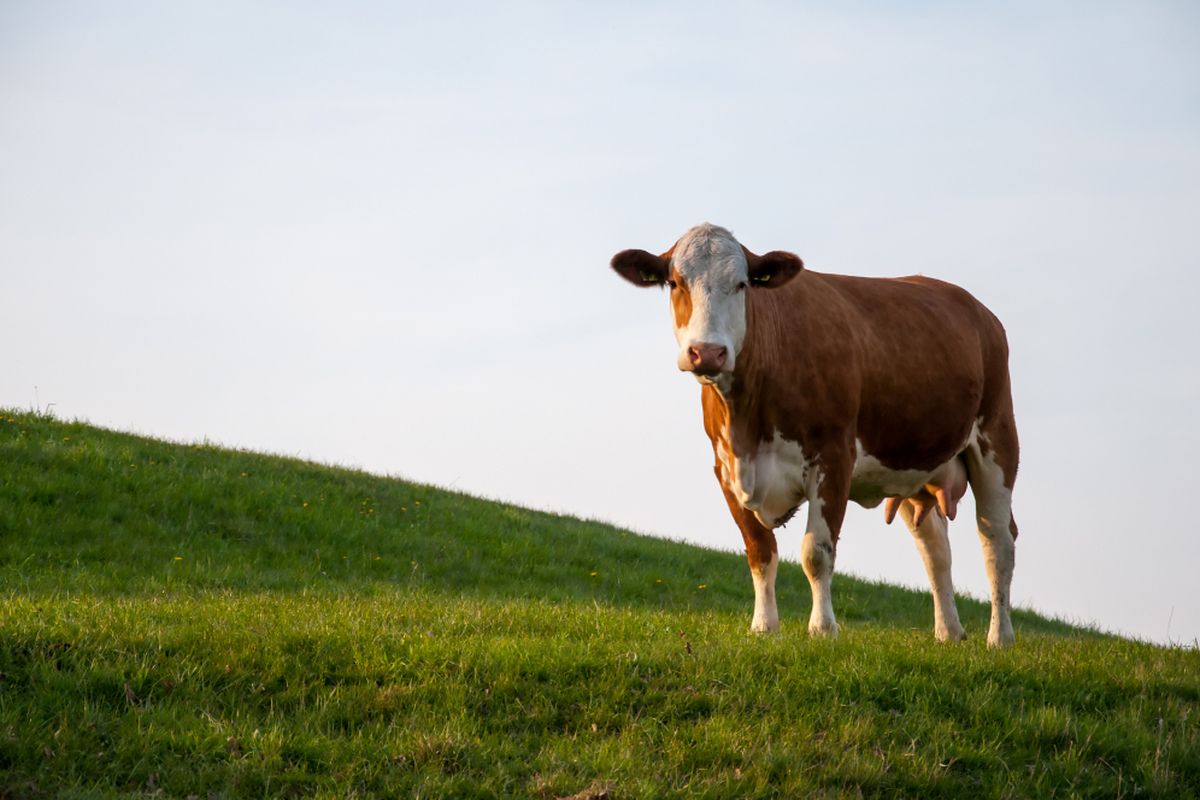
(709,273)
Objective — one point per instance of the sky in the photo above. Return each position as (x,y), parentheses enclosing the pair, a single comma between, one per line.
(378,234)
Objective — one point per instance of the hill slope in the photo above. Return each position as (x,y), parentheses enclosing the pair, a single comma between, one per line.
(183,620)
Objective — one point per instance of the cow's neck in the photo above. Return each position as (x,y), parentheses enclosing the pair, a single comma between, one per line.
(777,365)
(748,398)
(761,448)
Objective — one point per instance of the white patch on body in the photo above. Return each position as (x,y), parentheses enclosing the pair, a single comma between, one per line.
(871,480)
(712,267)
(766,614)
(771,483)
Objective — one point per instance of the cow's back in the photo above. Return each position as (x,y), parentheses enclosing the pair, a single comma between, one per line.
(917,360)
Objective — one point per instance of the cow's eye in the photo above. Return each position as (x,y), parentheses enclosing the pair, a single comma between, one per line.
(670,283)
(741,286)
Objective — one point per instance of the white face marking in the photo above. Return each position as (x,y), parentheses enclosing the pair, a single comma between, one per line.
(712,267)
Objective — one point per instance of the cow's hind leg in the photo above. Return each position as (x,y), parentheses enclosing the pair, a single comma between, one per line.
(933,542)
(992,469)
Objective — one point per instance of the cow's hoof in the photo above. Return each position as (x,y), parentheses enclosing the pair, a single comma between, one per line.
(950,634)
(997,642)
(1000,633)
(824,630)
(764,621)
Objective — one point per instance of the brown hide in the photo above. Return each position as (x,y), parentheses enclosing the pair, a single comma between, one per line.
(906,365)
(681,300)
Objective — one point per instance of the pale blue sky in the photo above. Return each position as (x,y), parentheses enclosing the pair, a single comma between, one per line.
(378,235)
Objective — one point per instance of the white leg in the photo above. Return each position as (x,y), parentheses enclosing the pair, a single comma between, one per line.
(993,503)
(766,614)
(816,554)
(933,542)
(999,553)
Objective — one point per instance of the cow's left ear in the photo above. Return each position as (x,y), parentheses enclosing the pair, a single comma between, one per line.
(641,268)
(772,269)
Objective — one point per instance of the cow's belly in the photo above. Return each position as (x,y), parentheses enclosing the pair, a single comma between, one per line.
(872,481)
(772,482)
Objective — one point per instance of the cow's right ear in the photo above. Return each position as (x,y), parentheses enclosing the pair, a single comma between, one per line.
(641,268)
(772,269)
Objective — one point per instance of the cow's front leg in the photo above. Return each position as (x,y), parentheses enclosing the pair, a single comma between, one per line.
(762,553)
(762,572)
(819,548)
(817,556)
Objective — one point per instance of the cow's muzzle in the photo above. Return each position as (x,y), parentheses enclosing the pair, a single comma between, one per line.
(704,359)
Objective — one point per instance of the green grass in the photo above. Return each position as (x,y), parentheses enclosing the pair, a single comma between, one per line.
(190,621)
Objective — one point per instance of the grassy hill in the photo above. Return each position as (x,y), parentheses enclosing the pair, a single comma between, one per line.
(184,621)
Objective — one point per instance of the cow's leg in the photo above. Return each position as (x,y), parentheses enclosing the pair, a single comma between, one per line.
(763,555)
(826,508)
(992,469)
(934,545)
(762,552)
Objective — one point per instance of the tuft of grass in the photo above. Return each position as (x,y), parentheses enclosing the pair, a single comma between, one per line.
(186,620)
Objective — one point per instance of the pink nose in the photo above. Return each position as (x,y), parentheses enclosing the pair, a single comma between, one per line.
(707,359)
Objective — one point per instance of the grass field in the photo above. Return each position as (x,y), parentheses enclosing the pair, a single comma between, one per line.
(188,621)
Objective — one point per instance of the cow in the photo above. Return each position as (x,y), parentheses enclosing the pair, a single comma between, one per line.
(825,388)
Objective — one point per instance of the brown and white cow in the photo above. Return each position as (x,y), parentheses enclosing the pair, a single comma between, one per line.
(830,388)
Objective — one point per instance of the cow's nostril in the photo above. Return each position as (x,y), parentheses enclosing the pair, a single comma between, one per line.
(707,359)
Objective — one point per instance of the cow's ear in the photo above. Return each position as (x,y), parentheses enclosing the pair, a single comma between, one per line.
(641,268)
(773,269)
